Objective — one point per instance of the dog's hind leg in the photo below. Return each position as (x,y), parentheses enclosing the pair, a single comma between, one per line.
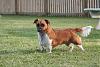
(71,47)
(50,46)
(78,42)
(81,47)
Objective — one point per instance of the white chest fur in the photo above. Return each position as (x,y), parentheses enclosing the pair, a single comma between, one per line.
(44,42)
(44,39)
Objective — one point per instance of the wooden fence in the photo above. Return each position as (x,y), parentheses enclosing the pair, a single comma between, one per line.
(7,6)
(47,7)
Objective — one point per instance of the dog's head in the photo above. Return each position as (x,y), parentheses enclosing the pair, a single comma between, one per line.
(41,24)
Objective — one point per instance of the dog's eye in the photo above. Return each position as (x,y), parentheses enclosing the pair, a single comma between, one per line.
(42,25)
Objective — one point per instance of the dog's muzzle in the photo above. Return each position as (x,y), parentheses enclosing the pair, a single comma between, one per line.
(39,29)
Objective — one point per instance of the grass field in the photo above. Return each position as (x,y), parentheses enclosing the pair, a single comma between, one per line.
(18,44)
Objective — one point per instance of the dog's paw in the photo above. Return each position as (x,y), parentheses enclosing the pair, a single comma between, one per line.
(50,52)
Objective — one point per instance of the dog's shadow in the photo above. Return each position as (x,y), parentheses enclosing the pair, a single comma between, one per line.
(30,51)
(18,51)
(24,51)
(55,50)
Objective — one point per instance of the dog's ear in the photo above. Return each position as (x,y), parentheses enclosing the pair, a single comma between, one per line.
(35,21)
(47,21)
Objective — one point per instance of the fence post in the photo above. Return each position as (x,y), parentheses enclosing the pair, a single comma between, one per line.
(16,7)
(85,3)
(46,7)
(99,3)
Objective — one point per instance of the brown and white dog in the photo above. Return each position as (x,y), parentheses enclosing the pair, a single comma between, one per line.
(50,38)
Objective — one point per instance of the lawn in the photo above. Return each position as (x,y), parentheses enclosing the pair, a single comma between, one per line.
(18,44)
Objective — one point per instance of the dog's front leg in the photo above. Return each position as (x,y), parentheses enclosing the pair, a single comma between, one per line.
(50,49)
(50,46)
(41,48)
(40,43)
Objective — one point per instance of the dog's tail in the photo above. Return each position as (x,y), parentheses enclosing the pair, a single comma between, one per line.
(85,31)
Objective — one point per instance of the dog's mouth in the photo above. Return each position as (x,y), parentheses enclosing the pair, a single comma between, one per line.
(39,30)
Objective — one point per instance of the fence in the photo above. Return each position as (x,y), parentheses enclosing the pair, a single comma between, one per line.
(47,7)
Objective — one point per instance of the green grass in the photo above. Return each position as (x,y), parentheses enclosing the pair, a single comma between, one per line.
(18,44)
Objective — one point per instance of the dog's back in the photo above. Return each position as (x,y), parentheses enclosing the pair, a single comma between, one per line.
(65,36)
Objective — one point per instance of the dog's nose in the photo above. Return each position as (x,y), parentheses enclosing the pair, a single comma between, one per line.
(39,30)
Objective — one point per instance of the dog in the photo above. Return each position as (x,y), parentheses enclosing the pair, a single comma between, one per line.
(50,38)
